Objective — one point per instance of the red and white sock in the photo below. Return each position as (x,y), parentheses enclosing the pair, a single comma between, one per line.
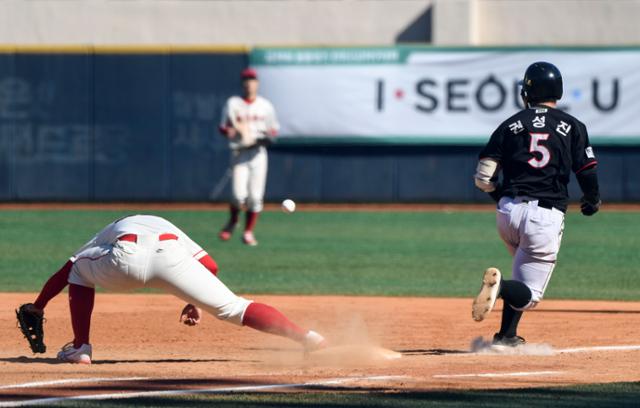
(251,220)
(269,320)
(81,299)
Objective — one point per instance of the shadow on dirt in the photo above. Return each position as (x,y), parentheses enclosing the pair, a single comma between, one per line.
(431,352)
(51,360)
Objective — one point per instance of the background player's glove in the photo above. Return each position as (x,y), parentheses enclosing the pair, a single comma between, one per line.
(264,141)
(30,321)
(589,207)
(190,315)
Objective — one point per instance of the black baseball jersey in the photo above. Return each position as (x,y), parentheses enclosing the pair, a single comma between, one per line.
(537,149)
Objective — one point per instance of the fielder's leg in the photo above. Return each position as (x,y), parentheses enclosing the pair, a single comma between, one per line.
(227,230)
(239,193)
(81,300)
(250,223)
(192,282)
(96,265)
(255,199)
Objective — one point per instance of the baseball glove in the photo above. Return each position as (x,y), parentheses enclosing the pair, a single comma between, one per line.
(30,322)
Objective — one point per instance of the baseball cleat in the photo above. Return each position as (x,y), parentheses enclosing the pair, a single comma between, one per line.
(314,341)
(226,232)
(513,341)
(224,235)
(249,239)
(486,299)
(70,354)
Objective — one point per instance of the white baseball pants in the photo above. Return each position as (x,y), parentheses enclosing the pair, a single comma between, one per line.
(165,265)
(532,235)
(249,179)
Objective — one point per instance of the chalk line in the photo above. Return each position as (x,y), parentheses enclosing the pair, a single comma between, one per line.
(491,375)
(598,348)
(481,347)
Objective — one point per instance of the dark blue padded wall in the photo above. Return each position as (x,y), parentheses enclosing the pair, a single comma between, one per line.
(108,127)
(416,174)
(131,121)
(88,126)
(7,131)
(200,86)
(45,124)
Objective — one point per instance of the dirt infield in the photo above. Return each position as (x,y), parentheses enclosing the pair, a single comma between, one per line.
(139,346)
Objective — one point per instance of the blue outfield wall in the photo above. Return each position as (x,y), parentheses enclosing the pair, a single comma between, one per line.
(416,174)
(103,127)
(97,126)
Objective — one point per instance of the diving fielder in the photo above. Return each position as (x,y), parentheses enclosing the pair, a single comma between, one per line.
(249,123)
(536,150)
(148,251)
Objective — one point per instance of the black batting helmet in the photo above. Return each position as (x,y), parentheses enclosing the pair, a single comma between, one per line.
(542,82)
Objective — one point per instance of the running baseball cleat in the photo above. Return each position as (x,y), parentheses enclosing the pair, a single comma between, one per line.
(314,341)
(501,340)
(486,299)
(226,232)
(249,239)
(70,354)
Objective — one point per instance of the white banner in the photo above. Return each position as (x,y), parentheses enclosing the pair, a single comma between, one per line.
(441,95)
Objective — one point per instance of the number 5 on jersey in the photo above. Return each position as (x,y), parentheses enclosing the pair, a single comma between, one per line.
(536,146)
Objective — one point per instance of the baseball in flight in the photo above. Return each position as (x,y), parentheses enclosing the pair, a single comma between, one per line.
(288,206)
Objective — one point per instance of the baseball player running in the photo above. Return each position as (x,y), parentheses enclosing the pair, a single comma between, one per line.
(148,251)
(249,123)
(536,149)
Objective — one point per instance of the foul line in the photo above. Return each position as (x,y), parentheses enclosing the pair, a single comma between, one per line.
(128,395)
(517,374)
(552,351)
(71,381)
(597,348)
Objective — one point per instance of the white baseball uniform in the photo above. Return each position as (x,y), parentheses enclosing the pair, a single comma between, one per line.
(154,261)
(249,163)
(532,235)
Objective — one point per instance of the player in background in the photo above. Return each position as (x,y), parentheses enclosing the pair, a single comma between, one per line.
(249,123)
(148,251)
(536,149)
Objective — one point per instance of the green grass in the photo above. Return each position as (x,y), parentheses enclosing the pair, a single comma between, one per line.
(361,253)
(589,396)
